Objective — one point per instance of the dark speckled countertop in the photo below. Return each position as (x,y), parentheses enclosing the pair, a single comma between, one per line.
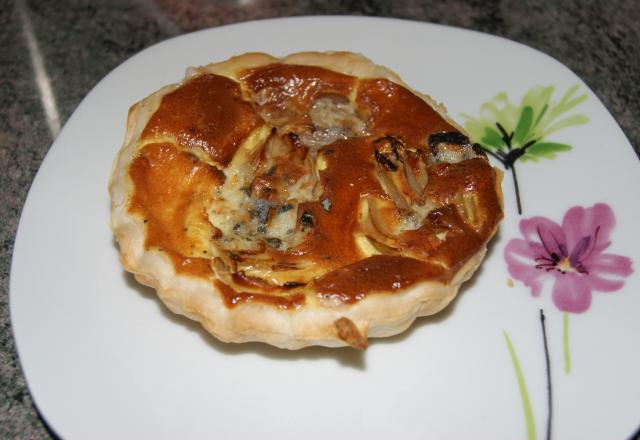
(53,52)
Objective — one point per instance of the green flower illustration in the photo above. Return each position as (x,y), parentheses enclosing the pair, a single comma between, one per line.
(512,133)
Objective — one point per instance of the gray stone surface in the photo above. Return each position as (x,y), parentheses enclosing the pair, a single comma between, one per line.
(81,41)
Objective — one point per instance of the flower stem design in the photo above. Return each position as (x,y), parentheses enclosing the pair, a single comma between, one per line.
(565,343)
(548,367)
(524,394)
(509,157)
(511,133)
(571,255)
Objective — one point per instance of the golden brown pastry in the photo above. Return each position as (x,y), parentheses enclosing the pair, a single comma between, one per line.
(309,200)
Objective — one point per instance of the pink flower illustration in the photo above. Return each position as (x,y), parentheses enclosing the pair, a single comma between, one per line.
(571,255)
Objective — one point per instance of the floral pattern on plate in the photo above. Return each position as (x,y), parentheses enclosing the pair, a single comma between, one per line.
(571,255)
(511,133)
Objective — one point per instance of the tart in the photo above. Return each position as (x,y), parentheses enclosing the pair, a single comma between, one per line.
(313,199)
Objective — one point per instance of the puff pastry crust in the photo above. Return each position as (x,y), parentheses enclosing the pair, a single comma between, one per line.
(313,199)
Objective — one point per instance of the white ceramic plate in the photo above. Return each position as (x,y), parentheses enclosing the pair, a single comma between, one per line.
(104,359)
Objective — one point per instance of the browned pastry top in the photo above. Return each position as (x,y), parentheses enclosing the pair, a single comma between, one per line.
(297,184)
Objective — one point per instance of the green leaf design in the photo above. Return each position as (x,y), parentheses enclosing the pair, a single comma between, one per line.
(534,119)
(547,150)
(540,115)
(527,408)
(510,133)
(492,138)
(566,103)
(564,123)
(524,124)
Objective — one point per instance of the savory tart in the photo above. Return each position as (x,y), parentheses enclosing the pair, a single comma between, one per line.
(308,200)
